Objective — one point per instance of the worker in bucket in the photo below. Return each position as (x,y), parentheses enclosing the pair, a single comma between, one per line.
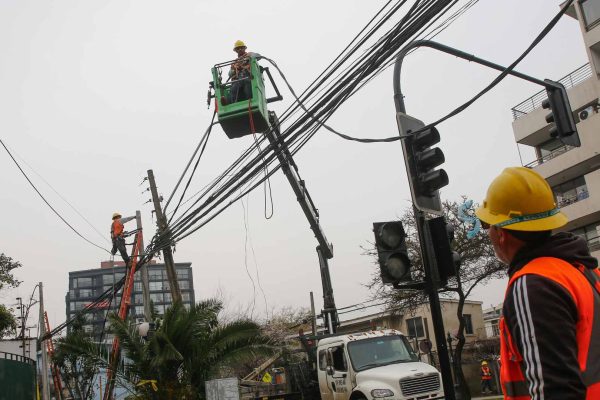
(550,326)
(117,234)
(239,73)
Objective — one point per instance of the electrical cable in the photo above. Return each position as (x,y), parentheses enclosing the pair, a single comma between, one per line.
(244,173)
(47,203)
(203,141)
(103,236)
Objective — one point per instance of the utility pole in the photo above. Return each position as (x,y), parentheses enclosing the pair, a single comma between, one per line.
(42,330)
(144,271)
(22,326)
(165,237)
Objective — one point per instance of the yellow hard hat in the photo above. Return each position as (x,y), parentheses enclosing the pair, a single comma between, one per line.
(520,199)
(484,363)
(238,43)
(116,215)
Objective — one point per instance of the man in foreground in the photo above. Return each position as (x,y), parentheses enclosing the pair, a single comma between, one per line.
(550,330)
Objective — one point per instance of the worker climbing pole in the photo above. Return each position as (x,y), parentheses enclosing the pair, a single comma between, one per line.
(115,354)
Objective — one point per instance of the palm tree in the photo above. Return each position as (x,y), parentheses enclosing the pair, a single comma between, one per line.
(188,347)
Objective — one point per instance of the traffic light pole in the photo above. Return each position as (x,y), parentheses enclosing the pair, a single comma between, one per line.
(431,280)
(557,95)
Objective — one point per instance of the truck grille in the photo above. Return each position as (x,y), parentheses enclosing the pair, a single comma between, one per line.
(422,384)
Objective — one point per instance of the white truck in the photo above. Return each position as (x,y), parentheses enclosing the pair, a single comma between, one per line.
(374,365)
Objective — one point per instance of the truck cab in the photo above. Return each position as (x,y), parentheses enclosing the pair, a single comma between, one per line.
(374,365)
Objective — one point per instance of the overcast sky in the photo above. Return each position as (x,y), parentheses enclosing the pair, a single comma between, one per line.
(94,93)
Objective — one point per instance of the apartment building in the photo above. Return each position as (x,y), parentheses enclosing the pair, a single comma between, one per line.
(86,285)
(572,172)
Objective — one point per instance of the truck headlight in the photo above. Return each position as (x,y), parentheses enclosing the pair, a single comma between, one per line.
(377,393)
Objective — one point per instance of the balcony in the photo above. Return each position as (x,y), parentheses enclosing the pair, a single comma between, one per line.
(526,106)
(555,153)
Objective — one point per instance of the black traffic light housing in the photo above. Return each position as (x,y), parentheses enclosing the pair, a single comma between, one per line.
(390,241)
(421,160)
(564,127)
(442,236)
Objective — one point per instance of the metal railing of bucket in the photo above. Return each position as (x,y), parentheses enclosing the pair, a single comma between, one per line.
(525,107)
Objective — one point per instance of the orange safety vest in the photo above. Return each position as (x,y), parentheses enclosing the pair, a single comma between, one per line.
(486,373)
(584,287)
(116,228)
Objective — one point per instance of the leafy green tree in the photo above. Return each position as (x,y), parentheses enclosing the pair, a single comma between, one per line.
(8,323)
(7,266)
(478,266)
(188,347)
(78,358)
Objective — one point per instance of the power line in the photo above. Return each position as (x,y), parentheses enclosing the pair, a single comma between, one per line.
(46,201)
(103,236)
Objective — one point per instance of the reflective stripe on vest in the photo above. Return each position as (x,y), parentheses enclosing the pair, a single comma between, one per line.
(580,283)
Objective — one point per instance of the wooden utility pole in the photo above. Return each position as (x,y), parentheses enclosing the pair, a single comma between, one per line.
(165,237)
(42,330)
(144,272)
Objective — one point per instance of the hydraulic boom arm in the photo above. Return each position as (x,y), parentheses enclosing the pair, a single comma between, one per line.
(324,249)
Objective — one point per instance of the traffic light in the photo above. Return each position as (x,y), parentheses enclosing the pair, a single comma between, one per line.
(442,236)
(564,124)
(390,241)
(421,160)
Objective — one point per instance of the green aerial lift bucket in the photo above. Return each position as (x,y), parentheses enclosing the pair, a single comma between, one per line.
(246,116)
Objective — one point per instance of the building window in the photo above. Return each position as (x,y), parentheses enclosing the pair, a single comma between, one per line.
(84,293)
(168,298)
(468,324)
(570,192)
(139,310)
(82,282)
(415,327)
(591,12)
(185,296)
(184,284)
(155,274)
(183,273)
(137,286)
(108,279)
(138,299)
(591,234)
(156,285)
(156,297)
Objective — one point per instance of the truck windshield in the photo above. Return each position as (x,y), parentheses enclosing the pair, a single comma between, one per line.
(375,352)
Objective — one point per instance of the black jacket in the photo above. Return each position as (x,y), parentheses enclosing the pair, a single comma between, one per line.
(550,332)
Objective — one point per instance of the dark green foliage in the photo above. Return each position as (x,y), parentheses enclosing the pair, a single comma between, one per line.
(8,323)
(7,265)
